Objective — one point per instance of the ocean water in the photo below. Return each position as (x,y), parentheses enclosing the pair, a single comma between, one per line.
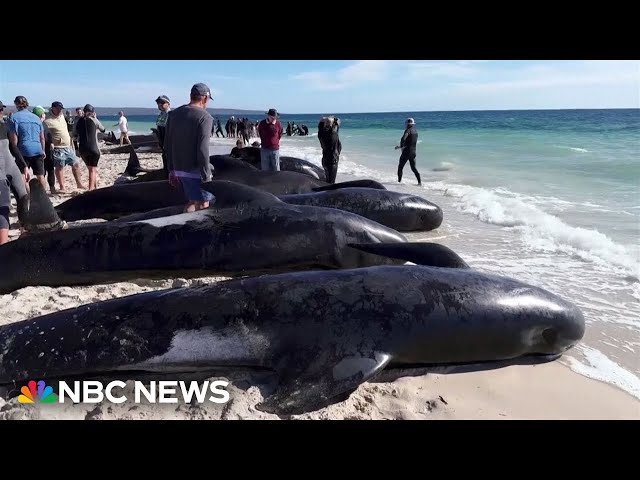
(548,197)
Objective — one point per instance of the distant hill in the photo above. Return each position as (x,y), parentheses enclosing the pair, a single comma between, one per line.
(154,111)
(112,111)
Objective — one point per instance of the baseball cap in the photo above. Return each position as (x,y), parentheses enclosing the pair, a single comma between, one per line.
(2,105)
(163,99)
(88,108)
(201,89)
(37,110)
(57,105)
(411,121)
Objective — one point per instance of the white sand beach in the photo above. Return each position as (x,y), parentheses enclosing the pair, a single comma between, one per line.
(548,391)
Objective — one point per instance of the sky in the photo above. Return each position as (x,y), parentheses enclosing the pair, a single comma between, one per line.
(330,86)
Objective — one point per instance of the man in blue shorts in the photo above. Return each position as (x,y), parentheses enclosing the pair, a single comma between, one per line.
(186,145)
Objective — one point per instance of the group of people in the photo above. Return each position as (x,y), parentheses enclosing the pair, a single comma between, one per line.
(45,143)
(241,128)
(42,144)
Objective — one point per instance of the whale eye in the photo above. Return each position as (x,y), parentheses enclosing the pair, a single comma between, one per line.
(550,335)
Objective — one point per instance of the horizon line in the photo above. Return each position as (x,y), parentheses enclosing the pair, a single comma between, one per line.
(396,111)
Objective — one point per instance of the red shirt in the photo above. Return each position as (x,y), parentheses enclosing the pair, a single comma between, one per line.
(270,134)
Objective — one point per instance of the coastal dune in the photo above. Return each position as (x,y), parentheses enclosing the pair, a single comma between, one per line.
(547,391)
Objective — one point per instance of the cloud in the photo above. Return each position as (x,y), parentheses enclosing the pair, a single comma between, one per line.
(363,71)
(117,94)
(461,68)
(552,76)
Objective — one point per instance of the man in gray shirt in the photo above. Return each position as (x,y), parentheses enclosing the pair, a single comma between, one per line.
(186,145)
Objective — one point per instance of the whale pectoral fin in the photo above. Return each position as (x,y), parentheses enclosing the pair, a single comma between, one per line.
(231,194)
(420,253)
(320,386)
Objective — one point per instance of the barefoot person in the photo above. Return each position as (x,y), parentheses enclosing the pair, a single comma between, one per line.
(408,144)
(123,127)
(63,151)
(186,145)
(87,129)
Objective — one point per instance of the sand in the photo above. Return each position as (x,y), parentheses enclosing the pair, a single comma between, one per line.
(548,391)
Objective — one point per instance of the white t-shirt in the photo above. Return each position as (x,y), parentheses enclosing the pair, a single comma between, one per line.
(122,124)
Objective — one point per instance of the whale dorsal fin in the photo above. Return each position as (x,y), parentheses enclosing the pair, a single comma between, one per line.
(133,165)
(420,253)
(231,194)
(41,215)
(351,184)
(226,162)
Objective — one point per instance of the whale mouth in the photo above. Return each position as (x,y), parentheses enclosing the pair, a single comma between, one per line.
(415,369)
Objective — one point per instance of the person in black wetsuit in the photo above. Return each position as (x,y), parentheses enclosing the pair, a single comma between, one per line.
(408,144)
(218,128)
(328,129)
(87,128)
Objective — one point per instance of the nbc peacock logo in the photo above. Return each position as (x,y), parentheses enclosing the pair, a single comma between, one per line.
(42,394)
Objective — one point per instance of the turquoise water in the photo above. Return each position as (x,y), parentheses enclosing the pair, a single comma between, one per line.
(548,197)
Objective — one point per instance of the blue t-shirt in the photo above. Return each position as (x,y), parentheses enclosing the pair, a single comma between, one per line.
(28,128)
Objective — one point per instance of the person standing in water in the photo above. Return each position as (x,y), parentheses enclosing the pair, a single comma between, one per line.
(328,129)
(408,145)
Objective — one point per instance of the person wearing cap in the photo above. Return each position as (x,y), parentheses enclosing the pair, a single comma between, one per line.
(26,134)
(270,132)
(328,135)
(63,153)
(408,144)
(164,106)
(11,181)
(186,145)
(87,128)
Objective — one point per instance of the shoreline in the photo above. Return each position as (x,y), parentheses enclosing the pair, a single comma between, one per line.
(547,391)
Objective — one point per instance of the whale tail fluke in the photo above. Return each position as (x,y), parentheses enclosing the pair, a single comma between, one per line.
(351,184)
(420,253)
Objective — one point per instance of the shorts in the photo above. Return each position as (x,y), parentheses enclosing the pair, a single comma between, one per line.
(5,204)
(192,190)
(90,159)
(36,164)
(64,156)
